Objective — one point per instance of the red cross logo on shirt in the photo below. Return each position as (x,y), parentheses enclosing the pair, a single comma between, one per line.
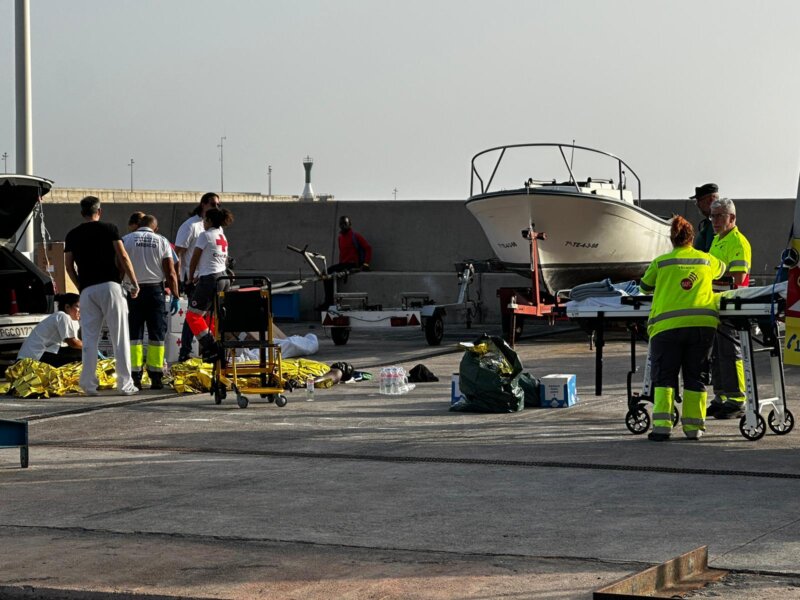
(222,243)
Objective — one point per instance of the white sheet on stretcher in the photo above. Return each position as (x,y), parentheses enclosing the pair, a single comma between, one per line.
(607,303)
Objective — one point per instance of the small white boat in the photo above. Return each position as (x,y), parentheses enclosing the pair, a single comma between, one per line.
(595,227)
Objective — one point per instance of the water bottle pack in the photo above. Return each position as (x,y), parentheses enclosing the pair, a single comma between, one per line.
(393,381)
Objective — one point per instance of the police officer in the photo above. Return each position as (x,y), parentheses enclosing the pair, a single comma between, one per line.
(151,256)
(703,197)
(682,323)
(731,247)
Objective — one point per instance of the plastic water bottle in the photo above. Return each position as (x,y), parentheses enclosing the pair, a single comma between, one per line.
(310,389)
(382,381)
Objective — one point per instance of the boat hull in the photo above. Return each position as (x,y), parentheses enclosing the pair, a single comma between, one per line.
(588,237)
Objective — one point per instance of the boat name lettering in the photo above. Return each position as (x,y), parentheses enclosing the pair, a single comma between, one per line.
(582,244)
(508,245)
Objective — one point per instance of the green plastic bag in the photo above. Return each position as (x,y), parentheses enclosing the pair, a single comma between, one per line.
(489,378)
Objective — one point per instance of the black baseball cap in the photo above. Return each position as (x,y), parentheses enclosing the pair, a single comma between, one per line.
(705,190)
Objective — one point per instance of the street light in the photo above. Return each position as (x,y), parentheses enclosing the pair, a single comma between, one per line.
(221,146)
(269,174)
(130,164)
(394,191)
(5,162)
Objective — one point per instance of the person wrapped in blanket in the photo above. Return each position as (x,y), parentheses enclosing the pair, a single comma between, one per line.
(682,323)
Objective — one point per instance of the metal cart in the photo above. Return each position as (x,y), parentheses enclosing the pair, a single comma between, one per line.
(237,311)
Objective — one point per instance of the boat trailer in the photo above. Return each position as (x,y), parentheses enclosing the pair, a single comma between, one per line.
(535,301)
(353,310)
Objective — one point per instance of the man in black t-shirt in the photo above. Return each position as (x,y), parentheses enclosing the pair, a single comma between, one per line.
(96,249)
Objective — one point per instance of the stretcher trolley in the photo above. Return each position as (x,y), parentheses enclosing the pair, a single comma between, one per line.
(744,313)
(239,311)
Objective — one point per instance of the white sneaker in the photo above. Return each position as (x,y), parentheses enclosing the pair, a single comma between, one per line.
(129,392)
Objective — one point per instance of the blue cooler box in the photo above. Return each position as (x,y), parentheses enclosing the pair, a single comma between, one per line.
(558,391)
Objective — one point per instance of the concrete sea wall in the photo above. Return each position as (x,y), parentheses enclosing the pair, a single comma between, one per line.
(416,243)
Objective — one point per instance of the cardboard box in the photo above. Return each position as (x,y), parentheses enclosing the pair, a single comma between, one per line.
(172,347)
(175,324)
(50,259)
(558,391)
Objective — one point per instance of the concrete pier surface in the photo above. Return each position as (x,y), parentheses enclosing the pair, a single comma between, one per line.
(360,495)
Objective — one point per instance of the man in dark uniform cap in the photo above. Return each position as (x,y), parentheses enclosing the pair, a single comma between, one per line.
(703,197)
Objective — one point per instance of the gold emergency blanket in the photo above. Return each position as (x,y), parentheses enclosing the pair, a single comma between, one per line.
(30,378)
(194,376)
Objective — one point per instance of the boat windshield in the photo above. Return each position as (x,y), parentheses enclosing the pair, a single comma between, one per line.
(524,166)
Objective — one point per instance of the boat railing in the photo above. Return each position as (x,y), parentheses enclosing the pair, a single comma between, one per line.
(623,169)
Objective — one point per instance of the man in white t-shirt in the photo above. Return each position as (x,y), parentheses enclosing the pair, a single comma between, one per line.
(185,242)
(151,256)
(55,339)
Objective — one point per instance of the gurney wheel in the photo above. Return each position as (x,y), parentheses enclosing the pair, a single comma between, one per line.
(220,393)
(340,335)
(242,401)
(280,400)
(637,421)
(781,429)
(753,433)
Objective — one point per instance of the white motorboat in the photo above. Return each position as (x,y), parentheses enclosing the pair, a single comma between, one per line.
(595,227)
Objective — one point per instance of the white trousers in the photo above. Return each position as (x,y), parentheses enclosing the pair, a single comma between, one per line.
(105,301)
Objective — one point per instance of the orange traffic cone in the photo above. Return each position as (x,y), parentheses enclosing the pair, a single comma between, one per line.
(13,309)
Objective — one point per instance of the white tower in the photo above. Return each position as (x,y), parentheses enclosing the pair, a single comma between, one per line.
(308,193)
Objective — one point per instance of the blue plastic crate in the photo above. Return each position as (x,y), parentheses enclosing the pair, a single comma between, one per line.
(286,306)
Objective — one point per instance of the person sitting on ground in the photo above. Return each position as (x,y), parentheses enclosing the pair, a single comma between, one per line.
(55,339)
(354,253)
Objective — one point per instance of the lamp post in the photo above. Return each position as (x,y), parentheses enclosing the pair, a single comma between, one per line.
(5,162)
(130,164)
(394,192)
(269,180)
(221,147)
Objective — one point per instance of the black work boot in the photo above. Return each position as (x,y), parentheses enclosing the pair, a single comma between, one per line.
(155,381)
(137,379)
(209,349)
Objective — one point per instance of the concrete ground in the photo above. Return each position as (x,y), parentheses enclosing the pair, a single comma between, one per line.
(359,495)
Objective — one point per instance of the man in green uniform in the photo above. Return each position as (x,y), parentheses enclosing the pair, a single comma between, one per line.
(731,247)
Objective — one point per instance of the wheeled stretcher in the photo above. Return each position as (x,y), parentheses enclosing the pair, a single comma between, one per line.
(237,311)
(742,313)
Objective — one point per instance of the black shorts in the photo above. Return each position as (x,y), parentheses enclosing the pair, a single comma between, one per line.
(207,286)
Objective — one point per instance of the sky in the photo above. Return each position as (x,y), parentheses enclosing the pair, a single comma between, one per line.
(392,98)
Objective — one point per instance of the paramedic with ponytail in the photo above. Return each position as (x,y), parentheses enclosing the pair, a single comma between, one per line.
(354,253)
(55,339)
(207,264)
(682,324)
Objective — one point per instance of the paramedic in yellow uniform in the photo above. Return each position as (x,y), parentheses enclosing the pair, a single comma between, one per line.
(732,248)
(683,320)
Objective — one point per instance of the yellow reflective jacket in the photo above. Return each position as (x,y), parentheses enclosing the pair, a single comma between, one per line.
(683,296)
